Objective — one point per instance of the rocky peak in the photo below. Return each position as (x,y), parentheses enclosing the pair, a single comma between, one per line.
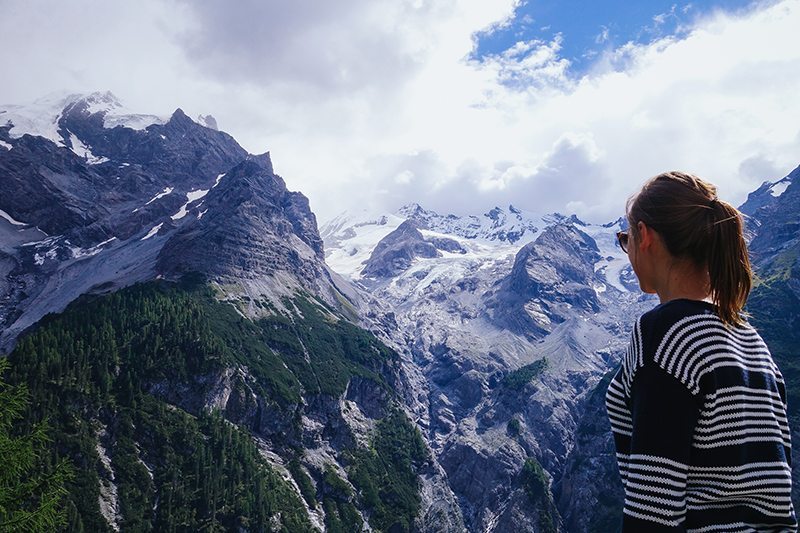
(412,210)
(397,251)
(496,214)
(497,224)
(262,160)
(179,121)
(208,121)
(253,228)
(766,196)
(775,205)
(551,276)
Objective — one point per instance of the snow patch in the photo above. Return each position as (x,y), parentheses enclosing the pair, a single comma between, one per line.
(8,217)
(599,288)
(89,252)
(191,196)
(43,242)
(779,188)
(6,145)
(39,118)
(116,114)
(152,232)
(614,260)
(350,240)
(132,121)
(219,178)
(166,191)
(83,151)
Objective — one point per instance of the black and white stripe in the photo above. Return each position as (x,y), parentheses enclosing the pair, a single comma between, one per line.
(697,345)
(655,489)
(733,474)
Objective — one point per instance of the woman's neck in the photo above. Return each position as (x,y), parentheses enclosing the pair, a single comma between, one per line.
(684,280)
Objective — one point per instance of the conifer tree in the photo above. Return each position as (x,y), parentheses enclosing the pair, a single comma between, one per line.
(30,499)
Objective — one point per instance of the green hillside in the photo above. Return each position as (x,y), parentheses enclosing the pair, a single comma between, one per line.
(122,380)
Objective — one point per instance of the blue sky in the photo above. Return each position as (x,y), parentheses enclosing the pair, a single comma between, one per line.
(588,28)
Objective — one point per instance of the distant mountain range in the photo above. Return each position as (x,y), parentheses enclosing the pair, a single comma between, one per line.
(405,371)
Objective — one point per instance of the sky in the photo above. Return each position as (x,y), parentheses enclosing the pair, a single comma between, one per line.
(458,105)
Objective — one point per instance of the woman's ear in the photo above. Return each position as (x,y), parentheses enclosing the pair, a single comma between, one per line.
(646,235)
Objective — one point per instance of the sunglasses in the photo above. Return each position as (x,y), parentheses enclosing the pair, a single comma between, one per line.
(622,240)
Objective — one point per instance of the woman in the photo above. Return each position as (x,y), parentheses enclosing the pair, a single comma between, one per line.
(698,407)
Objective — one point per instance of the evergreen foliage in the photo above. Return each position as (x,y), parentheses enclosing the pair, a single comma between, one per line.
(385,474)
(90,369)
(98,371)
(322,351)
(306,484)
(32,479)
(341,515)
(520,377)
(537,487)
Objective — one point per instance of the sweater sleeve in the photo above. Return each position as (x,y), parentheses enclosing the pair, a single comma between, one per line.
(664,414)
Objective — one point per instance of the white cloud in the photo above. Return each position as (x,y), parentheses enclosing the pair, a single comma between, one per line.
(376,102)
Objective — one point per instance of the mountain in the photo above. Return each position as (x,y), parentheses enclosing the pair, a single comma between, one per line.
(517,330)
(512,324)
(166,303)
(128,205)
(208,358)
(775,300)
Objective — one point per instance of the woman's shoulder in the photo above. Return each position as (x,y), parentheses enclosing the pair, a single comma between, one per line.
(682,314)
(677,319)
(678,334)
(674,311)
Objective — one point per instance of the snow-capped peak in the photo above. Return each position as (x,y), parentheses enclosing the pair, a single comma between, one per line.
(780,186)
(350,239)
(498,224)
(41,117)
(101,102)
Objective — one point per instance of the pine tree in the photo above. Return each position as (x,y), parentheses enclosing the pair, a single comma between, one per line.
(30,499)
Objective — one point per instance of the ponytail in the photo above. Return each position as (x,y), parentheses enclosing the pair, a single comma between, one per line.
(728,262)
(695,224)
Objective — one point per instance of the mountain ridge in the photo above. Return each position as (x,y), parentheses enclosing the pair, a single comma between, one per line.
(210,287)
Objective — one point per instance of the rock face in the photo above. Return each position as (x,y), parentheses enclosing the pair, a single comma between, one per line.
(590,492)
(511,339)
(774,303)
(253,228)
(772,211)
(552,279)
(395,252)
(94,207)
(133,198)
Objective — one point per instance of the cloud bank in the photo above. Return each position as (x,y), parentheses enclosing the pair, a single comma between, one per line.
(378,103)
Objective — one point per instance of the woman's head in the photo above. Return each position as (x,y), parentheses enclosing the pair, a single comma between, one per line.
(696,225)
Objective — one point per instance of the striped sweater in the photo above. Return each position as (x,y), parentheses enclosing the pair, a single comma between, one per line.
(698,413)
